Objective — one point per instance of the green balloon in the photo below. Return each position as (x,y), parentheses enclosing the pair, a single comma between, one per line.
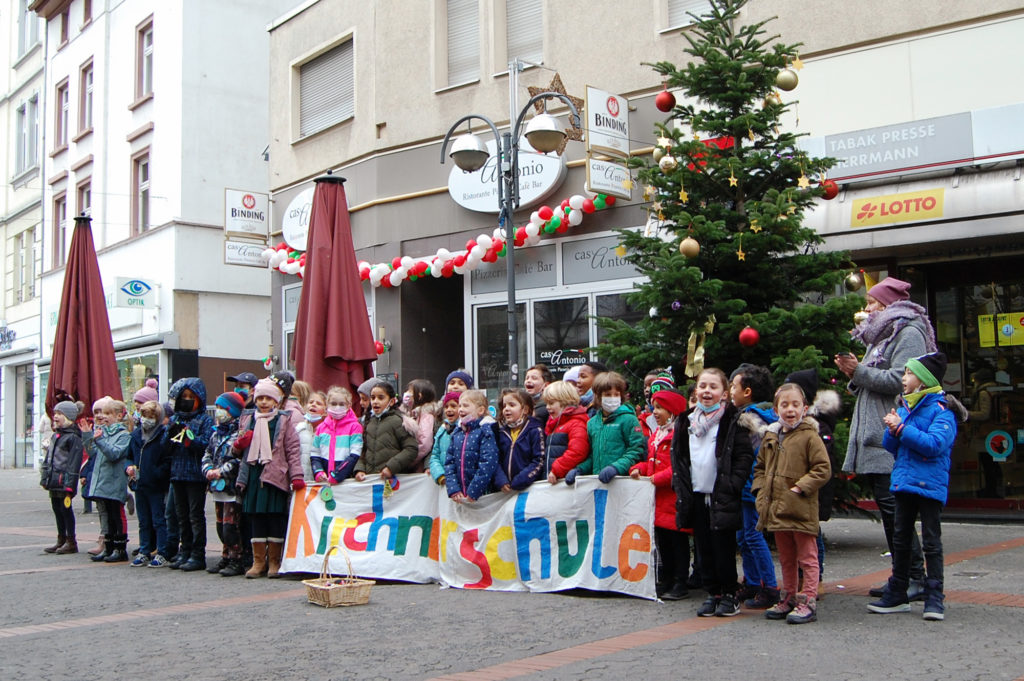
(502,252)
(599,203)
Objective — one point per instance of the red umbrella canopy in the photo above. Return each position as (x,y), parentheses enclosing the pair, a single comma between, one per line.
(333,340)
(82,364)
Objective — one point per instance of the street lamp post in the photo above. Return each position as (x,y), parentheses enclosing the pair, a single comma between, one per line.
(469,153)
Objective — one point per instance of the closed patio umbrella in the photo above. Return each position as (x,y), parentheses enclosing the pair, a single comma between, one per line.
(333,340)
(82,364)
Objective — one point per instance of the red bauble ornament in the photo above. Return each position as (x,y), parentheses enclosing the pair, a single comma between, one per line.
(665,101)
(749,337)
(831,189)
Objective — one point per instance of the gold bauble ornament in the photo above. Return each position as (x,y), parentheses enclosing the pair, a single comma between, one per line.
(771,100)
(658,153)
(787,80)
(689,247)
(854,281)
(668,164)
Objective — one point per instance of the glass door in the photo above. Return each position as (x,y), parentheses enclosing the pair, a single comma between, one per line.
(561,333)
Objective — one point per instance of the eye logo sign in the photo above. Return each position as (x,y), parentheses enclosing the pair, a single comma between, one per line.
(136,287)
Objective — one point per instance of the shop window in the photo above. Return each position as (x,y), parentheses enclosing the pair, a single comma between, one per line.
(561,333)
(492,345)
(134,371)
(327,89)
(615,306)
(24,425)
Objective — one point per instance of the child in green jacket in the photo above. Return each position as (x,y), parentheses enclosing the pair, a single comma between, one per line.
(616,440)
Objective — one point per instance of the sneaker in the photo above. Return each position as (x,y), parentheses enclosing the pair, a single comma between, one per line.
(934,612)
(708,607)
(890,602)
(763,599)
(877,592)
(804,612)
(193,565)
(916,590)
(727,606)
(141,559)
(157,562)
(934,608)
(781,609)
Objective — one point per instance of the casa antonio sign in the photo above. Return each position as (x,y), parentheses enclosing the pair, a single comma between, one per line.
(539,175)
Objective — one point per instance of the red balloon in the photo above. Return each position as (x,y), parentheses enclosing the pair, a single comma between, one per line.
(282,246)
(386,281)
(563,229)
(588,205)
(459,260)
(609,200)
(498,245)
(379,347)
(831,189)
(545,213)
(665,101)
(749,337)
(565,204)
(364,273)
(470,244)
(396,262)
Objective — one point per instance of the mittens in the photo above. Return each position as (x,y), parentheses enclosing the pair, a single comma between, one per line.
(243,441)
(570,477)
(321,476)
(607,473)
(298,484)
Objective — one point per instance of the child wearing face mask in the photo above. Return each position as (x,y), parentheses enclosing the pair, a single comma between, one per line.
(520,441)
(150,468)
(473,454)
(420,417)
(388,448)
(792,465)
(220,466)
(616,440)
(443,436)
(711,459)
(338,442)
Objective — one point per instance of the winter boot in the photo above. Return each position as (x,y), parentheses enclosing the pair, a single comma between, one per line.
(677,592)
(223,563)
(233,568)
(119,552)
(894,598)
(806,610)
(934,608)
(108,549)
(99,548)
(274,551)
(765,598)
(70,546)
(60,542)
(259,560)
(782,608)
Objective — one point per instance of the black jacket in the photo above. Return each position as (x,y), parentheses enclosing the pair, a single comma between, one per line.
(151,457)
(735,458)
(60,467)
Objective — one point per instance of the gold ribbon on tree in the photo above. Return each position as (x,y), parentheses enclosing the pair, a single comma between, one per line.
(695,348)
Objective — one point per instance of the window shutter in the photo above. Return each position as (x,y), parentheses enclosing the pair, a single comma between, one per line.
(463,41)
(327,89)
(524,22)
(677,11)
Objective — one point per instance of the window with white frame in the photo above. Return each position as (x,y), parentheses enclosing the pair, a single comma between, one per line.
(28,28)
(327,89)
(24,251)
(144,60)
(84,203)
(679,11)
(60,229)
(140,192)
(27,132)
(85,87)
(463,19)
(86,11)
(62,108)
(65,26)
(524,30)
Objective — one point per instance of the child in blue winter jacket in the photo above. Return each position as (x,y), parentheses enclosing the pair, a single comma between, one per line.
(443,436)
(473,454)
(520,442)
(920,435)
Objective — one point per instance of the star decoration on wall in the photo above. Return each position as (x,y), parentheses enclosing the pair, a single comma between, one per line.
(571,133)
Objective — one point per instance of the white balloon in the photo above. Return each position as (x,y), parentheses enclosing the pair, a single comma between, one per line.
(459,270)
(575,217)
(532,230)
(435,270)
(498,233)
(485,241)
(406,262)
(478,251)
(443,254)
(361,264)
(396,277)
(576,202)
(536,219)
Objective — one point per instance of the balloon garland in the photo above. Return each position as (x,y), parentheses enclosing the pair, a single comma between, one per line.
(445,263)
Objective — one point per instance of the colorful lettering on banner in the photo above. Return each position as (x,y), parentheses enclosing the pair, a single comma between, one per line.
(547,538)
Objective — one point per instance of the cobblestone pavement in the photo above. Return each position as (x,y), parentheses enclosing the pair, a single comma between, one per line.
(64,617)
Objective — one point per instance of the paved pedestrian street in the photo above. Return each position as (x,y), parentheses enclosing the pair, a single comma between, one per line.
(65,617)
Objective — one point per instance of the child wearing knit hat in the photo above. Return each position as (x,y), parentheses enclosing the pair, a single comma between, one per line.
(59,474)
(220,466)
(920,434)
(443,436)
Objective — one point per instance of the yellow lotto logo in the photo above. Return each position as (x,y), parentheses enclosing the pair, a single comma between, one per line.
(891,208)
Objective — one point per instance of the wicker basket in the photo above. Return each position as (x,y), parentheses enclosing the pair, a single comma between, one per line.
(330,591)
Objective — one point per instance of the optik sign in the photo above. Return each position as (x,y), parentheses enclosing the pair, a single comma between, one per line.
(135,293)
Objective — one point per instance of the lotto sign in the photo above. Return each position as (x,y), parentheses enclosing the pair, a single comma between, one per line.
(894,208)
(607,123)
(246,213)
(546,538)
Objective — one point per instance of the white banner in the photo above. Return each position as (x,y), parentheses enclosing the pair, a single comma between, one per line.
(547,538)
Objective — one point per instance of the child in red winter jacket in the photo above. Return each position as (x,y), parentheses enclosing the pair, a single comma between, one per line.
(673,544)
(567,444)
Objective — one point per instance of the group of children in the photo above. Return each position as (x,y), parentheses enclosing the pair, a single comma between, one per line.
(735,460)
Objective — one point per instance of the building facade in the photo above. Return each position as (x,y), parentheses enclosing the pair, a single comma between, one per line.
(151,112)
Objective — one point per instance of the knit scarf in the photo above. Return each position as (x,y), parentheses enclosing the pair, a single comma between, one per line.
(701,422)
(882,326)
(662,432)
(261,449)
(913,398)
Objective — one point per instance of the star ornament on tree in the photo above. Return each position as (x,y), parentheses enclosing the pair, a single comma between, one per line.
(571,133)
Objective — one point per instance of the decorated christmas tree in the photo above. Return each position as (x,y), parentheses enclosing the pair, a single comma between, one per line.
(732,274)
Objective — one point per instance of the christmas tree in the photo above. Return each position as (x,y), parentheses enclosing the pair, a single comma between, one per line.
(726,190)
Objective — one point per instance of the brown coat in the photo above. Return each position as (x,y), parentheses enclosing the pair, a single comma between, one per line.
(800,460)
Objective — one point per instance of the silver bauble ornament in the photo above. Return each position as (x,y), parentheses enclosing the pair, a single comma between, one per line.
(854,282)
(787,79)
(689,247)
(658,153)
(668,164)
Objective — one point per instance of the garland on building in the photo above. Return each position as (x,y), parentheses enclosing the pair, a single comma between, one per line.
(483,249)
